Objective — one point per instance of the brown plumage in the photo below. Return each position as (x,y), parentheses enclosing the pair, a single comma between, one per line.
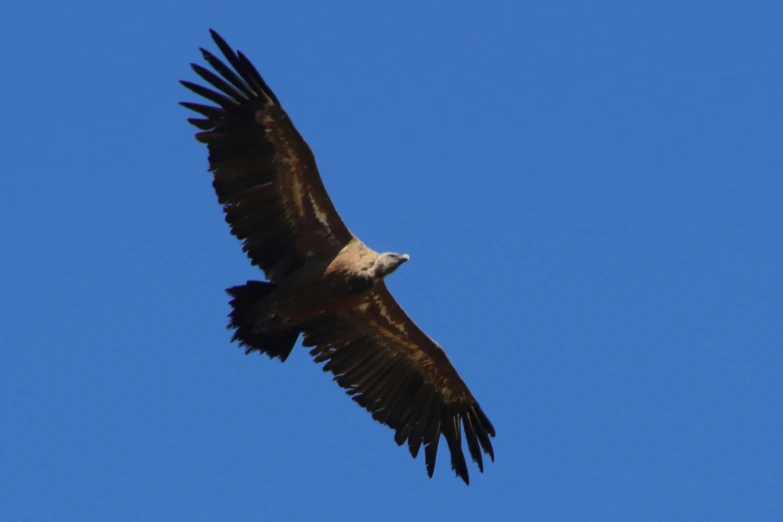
(323,282)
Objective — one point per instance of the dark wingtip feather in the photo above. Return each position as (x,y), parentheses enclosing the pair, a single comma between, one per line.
(228,74)
(243,66)
(250,69)
(452,431)
(430,454)
(201,123)
(212,113)
(431,440)
(414,445)
(473,443)
(484,420)
(217,38)
(225,102)
(219,83)
(484,430)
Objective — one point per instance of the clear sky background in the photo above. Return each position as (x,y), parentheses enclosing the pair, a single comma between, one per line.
(591,194)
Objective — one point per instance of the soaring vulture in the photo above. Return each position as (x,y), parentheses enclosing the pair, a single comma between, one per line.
(323,283)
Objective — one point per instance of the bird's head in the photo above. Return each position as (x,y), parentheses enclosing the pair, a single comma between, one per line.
(387,263)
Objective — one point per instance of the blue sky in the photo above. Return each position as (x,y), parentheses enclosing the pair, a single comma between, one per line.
(591,196)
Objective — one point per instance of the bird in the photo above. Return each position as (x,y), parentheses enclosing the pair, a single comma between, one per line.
(321,282)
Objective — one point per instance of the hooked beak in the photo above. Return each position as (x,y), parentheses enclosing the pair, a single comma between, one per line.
(405,257)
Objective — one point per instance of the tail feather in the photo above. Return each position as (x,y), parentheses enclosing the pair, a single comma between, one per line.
(244,299)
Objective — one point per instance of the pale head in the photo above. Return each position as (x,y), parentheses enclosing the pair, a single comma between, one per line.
(387,263)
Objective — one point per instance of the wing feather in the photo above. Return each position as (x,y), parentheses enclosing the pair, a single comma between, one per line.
(403,379)
(265,175)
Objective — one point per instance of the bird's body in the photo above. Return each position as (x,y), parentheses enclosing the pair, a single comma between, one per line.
(324,284)
(320,286)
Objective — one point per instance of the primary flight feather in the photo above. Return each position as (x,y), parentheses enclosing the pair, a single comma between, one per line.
(323,283)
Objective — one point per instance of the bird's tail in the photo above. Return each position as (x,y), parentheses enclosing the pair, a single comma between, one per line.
(244,299)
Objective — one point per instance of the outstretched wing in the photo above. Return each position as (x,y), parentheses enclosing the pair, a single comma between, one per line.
(265,174)
(404,378)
